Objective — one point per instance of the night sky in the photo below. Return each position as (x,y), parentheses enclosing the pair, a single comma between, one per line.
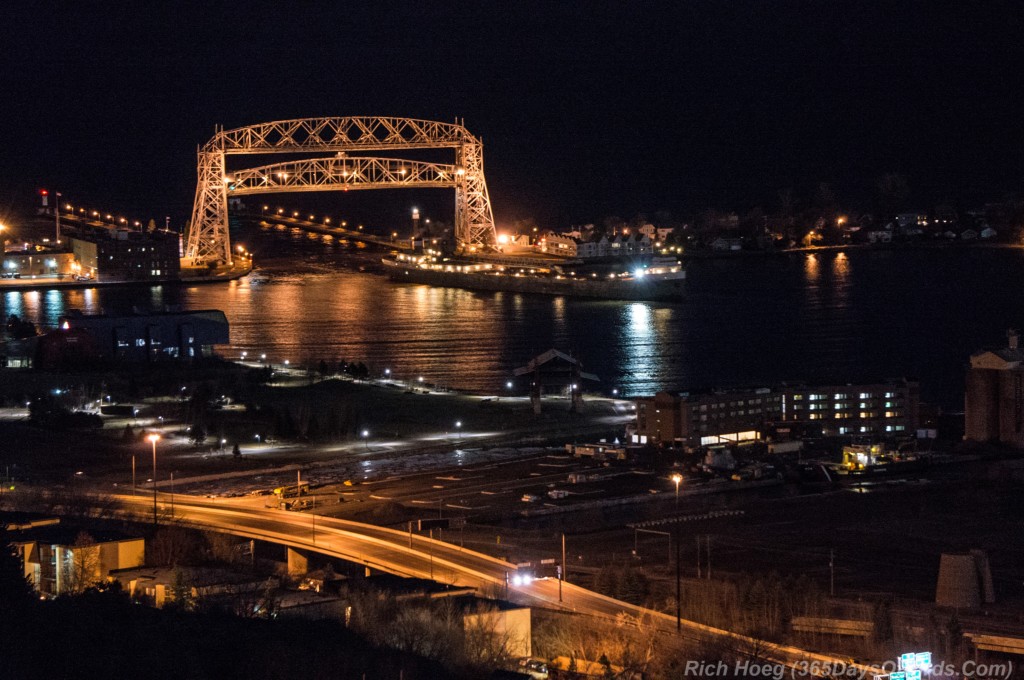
(585,109)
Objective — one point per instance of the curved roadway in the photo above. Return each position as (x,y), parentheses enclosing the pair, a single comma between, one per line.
(400,553)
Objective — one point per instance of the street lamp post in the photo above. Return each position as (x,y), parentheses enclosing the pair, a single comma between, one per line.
(153,439)
(676,477)
(366,440)
(458,428)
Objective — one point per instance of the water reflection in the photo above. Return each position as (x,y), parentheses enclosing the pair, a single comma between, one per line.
(841,279)
(747,321)
(12,305)
(811,268)
(640,336)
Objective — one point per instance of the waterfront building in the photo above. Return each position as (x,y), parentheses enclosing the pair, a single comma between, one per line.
(159,336)
(26,263)
(125,255)
(994,395)
(737,416)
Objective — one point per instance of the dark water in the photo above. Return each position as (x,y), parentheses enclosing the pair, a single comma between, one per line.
(831,317)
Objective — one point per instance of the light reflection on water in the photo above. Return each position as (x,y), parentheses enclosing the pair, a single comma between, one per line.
(752,321)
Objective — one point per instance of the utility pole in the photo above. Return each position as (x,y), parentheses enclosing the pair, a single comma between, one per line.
(153,439)
(698,556)
(679,580)
(561,571)
(133,475)
(709,556)
(832,572)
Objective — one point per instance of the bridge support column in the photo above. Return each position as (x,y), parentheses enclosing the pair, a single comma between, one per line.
(298,562)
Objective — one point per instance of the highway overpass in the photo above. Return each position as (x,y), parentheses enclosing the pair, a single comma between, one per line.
(406,554)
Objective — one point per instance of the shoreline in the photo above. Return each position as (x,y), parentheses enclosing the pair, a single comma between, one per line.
(54,283)
(879,247)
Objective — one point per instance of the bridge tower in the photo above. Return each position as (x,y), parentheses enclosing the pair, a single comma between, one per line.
(208,238)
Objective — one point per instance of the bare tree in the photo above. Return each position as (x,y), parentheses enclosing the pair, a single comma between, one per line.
(484,646)
(80,566)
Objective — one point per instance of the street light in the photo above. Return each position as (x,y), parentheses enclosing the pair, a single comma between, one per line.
(458,428)
(366,441)
(153,439)
(676,477)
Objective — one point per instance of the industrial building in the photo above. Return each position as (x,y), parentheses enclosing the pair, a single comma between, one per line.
(994,396)
(737,416)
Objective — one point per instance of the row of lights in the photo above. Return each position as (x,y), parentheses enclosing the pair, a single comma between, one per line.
(295,214)
(419,379)
(283,176)
(101,216)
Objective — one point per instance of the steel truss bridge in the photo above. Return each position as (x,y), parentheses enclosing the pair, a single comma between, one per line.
(208,239)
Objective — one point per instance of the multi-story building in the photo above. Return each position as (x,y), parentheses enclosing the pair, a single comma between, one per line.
(58,559)
(705,419)
(878,410)
(124,255)
(559,244)
(994,396)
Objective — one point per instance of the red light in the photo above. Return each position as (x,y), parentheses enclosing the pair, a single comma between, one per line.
(44,192)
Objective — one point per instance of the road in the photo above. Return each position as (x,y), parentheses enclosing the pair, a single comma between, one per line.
(400,553)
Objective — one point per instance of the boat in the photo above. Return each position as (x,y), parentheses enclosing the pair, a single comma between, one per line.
(662,282)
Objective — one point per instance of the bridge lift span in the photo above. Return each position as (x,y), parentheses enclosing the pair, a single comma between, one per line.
(208,239)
